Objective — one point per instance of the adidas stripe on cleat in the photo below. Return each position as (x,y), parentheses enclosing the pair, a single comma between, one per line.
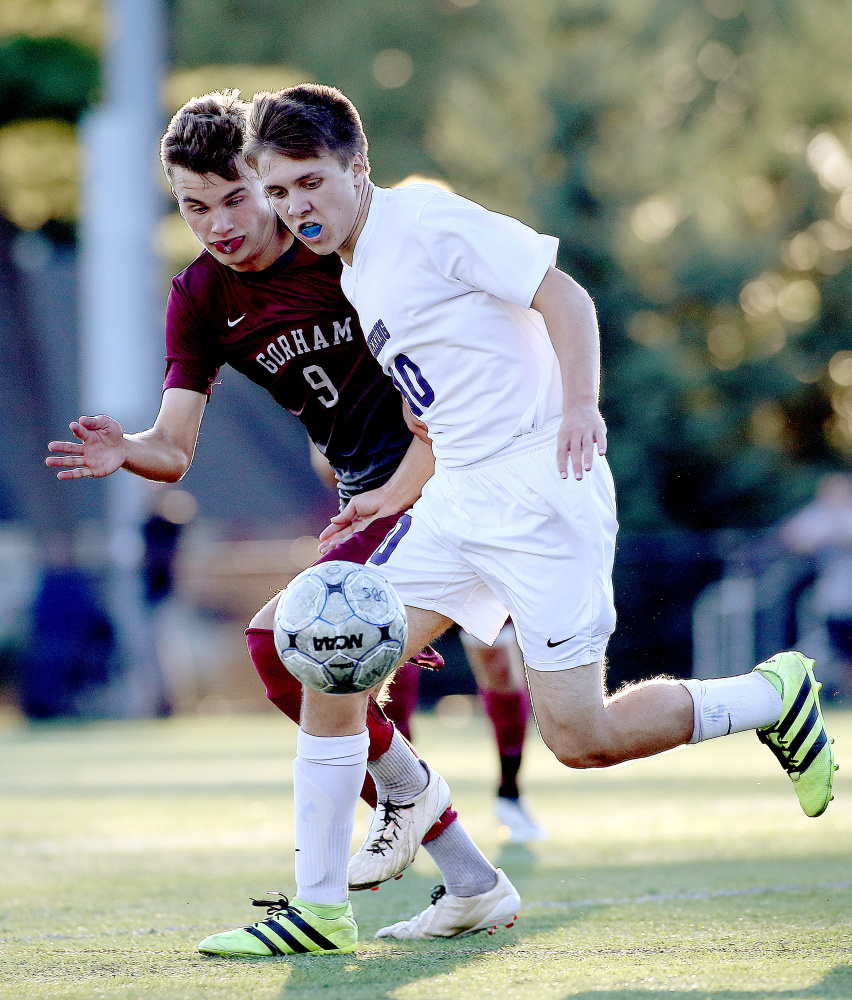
(799,739)
(291,928)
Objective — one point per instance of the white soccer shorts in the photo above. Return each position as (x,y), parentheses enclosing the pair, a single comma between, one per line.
(509,536)
(505,637)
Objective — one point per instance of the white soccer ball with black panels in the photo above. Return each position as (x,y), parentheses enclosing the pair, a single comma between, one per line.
(340,627)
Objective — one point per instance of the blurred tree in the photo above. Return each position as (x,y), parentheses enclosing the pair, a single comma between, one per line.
(78,20)
(47,83)
(393,60)
(702,199)
(46,78)
(693,156)
(39,175)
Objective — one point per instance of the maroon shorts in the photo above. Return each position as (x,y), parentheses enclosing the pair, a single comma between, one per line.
(359,547)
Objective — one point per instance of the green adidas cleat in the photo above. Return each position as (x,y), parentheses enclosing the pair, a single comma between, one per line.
(799,739)
(291,928)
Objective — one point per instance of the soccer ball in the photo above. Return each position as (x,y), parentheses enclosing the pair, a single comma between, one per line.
(340,627)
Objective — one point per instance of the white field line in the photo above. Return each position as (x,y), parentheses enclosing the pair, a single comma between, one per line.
(545,904)
(674,897)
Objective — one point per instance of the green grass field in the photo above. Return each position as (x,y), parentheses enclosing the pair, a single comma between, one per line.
(694,875)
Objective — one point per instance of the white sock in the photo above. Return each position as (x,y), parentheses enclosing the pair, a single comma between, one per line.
(724,705)
(328,773)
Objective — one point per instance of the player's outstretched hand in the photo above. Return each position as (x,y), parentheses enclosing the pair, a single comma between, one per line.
(582,430)
(355,516)
(98,451)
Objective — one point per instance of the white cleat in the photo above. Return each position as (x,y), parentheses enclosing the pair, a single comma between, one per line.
(454,916)
(396,833)
(517,826)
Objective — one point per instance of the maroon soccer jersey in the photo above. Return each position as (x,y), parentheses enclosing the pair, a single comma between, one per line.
(291,330)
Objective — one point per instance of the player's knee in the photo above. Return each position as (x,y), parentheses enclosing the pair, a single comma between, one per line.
(265,618)
(580,750)
(581,758)
(282,689)
(492,666)
(498,672)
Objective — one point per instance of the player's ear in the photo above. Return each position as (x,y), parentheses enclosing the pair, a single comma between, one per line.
(358,164)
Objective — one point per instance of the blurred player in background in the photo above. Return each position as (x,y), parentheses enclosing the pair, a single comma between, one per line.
(258,300)
(823,531)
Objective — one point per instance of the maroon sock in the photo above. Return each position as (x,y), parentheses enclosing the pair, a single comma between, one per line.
(380,728)
(509,712)
(403,695)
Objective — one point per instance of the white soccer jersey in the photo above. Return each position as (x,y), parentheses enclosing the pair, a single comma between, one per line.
(443,290)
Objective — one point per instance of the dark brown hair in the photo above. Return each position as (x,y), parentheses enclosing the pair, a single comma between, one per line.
(206,136)
(303,122)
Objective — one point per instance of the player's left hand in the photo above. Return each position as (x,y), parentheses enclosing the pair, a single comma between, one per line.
(582,430)
(355,516)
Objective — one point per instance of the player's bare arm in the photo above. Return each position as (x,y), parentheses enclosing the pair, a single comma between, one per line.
(163,453)
(569,314)
(397,494)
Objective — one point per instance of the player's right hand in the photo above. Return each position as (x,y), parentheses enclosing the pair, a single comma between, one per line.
(355,516)
(99,450)
(582,431)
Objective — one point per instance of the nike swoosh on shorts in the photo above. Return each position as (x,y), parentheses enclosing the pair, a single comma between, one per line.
(553,644)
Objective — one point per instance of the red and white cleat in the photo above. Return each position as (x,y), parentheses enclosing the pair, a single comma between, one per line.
(454,916)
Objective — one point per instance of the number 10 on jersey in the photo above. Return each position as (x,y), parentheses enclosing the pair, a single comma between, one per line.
(408,378)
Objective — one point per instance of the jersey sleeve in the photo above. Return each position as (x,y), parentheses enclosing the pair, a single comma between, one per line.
(484,250)
(190,364)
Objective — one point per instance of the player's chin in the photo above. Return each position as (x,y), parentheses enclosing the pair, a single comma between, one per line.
(223,258)
(321,244)
(318,247)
